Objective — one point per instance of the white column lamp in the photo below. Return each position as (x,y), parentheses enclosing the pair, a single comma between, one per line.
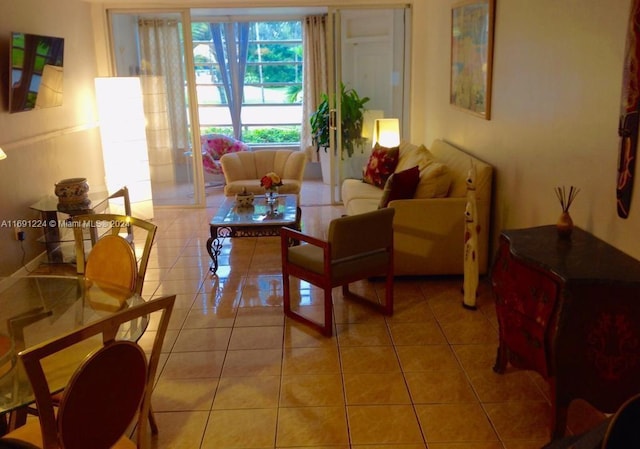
(124,140)
(386,132)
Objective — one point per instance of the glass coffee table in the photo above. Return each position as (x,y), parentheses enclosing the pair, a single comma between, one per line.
(259,220)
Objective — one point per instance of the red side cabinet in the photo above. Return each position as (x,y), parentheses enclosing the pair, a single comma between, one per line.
(570,310)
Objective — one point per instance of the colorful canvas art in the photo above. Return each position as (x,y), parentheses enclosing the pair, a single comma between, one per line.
(471,56)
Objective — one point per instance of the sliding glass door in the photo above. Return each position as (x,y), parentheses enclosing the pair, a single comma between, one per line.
(239,72)
(151,46)
(369,58)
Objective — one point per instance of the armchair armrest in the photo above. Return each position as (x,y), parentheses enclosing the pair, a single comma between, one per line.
(287,234)
(322,247)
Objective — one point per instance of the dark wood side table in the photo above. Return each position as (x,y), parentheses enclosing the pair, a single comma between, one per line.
(570,310)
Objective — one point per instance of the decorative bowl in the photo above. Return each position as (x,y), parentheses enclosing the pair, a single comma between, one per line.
(72,190)
(244,199)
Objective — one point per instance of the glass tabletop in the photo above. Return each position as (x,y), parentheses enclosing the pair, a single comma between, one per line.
(281,213)
(35,309)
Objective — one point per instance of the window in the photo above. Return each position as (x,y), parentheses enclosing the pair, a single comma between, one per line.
(267,56)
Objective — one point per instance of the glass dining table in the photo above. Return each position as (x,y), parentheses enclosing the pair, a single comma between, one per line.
(34,309)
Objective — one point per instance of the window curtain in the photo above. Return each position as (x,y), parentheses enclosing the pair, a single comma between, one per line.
(163,86)
(315,76)
(231,45)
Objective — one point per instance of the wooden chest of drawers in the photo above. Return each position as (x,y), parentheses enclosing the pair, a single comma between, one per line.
(570,310)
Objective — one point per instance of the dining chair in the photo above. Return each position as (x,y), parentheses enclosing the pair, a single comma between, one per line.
(105,230)
(358,247)
(106,392)
(618,431)
(623,430)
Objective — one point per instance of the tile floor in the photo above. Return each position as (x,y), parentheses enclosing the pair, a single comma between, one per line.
(236,374)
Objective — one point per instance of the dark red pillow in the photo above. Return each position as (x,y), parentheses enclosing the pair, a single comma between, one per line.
(382,163)
(400,186)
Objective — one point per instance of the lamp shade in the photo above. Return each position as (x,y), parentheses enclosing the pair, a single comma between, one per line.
(3,155)
(124,140)
(386,132)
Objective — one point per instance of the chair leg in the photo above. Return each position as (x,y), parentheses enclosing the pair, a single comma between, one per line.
(388,293)
(286,292)
(152,422)
(328,312)
(386,308)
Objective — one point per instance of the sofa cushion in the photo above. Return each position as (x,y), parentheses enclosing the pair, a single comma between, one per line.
(401,185)
(411,155)
(382,163)
(458,162)
(435,180)
(355,189)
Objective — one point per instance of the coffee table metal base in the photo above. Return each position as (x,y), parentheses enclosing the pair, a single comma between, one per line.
(219,233)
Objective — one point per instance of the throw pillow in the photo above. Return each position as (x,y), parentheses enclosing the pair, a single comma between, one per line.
(400,185)
(411,155)
(382,163)
(435,180)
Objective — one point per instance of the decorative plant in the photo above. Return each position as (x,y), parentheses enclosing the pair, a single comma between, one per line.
(352,116)
(566,200)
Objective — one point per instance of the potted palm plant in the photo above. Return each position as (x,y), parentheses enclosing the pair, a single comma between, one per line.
(352,116)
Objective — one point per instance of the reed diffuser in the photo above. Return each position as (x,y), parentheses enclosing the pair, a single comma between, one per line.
(565,223)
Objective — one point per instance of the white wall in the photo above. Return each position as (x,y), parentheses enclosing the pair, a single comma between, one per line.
(47,145)
(557,80)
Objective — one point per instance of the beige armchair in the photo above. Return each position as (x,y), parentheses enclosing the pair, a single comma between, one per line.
(243,170)
(358,247)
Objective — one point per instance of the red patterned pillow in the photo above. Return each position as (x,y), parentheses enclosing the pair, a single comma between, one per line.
(400,186)
(382,163)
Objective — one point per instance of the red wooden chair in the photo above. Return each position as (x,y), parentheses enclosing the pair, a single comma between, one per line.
(358,247)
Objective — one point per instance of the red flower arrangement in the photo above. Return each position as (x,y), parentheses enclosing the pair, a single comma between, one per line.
(270,181)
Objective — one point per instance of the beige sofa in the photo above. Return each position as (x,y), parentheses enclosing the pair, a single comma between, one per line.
(429,228)
(243,170)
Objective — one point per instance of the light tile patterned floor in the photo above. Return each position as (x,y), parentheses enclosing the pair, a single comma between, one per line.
(236,374)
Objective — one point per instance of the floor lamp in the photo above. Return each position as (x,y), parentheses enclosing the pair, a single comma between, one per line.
(124,141)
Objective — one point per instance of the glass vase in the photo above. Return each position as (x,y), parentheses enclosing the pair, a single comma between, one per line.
(271,195)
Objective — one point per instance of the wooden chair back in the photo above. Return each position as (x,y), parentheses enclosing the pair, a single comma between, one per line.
(112,262)
(138,233)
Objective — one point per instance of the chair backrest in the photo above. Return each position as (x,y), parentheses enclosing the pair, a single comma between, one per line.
(361,233)
(116,225)
(112,262)
(111,384)
(107,390)
(623,431)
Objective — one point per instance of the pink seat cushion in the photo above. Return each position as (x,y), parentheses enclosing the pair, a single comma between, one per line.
(214,146)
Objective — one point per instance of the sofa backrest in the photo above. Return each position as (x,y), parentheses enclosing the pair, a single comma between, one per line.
(459,162)
(288,164)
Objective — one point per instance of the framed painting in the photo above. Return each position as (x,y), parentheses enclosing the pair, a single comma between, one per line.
(471,56)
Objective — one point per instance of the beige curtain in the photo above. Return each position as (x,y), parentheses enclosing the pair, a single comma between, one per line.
(163,90)
(315,75)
